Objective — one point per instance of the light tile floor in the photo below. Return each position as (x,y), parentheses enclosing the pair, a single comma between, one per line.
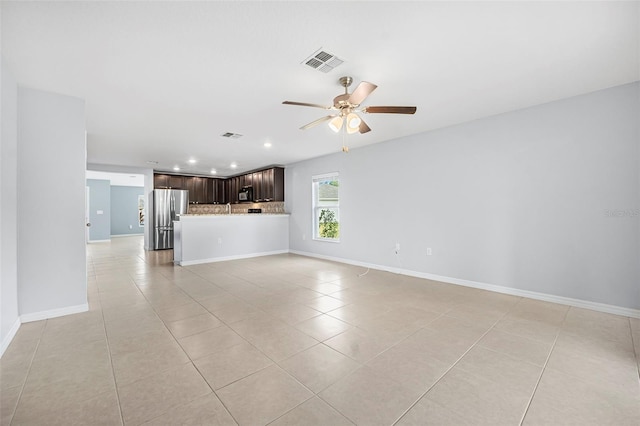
(290,340)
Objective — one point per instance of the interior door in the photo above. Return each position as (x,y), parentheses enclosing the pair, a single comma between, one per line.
(87,216)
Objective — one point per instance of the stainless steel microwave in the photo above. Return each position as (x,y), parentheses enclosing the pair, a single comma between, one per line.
(245,194)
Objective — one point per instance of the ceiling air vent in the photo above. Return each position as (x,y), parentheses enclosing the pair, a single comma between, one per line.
(231,135)
(322,61)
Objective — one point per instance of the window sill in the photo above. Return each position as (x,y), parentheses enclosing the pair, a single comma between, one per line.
(326,240)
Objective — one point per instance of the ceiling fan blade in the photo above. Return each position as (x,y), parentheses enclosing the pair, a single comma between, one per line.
(390,110)
(363,127)
(305,104)
(316,122)
(361,92)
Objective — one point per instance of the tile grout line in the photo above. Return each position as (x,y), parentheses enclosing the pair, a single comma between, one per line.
(475,344)
(24,383)
(106,335)
(165,272)
(128,274)
(313,394)
(214,392)
(544,367)
(153,308)
(276,363)
(452,365)
(113,372)
(192,361)
(364,364)
(317,394)
(635,351)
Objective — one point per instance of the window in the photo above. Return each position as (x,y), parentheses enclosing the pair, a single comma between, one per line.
(326,207)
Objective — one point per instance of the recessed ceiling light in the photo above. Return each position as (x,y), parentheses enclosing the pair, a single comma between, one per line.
(233,165)
(192,161)
(213,171)
(267,144)
(176,168)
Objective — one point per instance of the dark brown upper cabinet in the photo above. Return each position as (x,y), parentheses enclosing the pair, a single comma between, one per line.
(274,183)
(219,191)
(199,190)
(176,182)
(268,185)
(162,181)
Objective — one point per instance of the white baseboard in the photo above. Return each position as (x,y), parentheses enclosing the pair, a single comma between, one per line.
(578,303)
(125,235)
(53,313)
(9,337)
(99,241)
(222,259)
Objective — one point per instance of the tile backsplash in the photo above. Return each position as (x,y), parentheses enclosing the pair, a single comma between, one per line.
(273,207)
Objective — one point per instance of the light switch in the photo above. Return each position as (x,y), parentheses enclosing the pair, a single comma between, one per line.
(100,212)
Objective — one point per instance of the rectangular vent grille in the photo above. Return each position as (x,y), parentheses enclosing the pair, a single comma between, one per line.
(231,135)
(314,63)
(323,61)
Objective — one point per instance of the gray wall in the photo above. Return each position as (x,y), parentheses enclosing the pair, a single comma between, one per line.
(99,209)
(124,210)
(148,186)
(517,200)
(8,207)
(51,187)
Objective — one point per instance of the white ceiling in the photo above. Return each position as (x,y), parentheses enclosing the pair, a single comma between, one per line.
(163,80)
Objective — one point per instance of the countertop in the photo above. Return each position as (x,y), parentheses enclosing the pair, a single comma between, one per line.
(233,215)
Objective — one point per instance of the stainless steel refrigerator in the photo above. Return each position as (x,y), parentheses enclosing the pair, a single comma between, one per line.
(168,205)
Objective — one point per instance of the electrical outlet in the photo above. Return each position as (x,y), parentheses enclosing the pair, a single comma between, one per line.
(429,252)
(397,247)
(130,226)
(219,240)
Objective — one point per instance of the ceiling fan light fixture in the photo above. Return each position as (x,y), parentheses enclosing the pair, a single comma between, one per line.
(353,123)
(346,106)
(336,124)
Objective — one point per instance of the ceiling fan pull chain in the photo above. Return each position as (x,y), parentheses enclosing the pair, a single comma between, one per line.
(345,148)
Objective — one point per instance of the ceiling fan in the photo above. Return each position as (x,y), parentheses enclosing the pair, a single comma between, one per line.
(348,105)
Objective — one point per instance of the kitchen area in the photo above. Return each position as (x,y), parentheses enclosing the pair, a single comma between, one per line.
(207,219)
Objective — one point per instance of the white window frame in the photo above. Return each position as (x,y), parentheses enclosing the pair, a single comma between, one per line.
(317,207)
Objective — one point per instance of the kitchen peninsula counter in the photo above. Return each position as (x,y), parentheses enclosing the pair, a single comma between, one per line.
(203,238)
